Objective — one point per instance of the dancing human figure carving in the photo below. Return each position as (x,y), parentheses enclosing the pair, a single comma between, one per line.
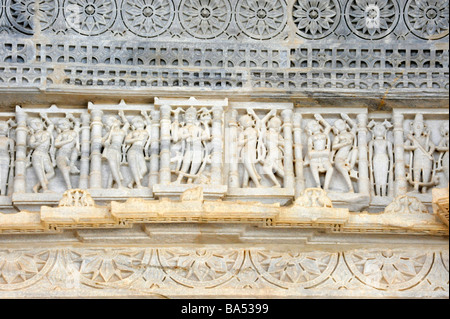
(113,142)
(7,145)
(421,165)
(318,156)
(41,142)
(344,149)
(138,142)
(381,159)
(67,143)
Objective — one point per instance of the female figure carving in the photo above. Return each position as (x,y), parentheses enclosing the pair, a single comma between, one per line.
(345,149)
(42,157)
(443,148)
(319,150)
(68,148)
(139,139)
(6,156)
(273,161)
(381,159)
(113,142)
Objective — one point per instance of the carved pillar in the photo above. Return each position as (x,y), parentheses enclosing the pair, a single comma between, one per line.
(154,150)
(233,179)
(96,149)
(363,163)
(85,151)
(21,153)
(164,171)
(288,150)
(300,180)
(399,155)
(217,147)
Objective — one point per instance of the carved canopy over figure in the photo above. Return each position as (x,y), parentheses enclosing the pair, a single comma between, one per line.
(381,160)
(190,149)
(67,143)
(260,142)
(113,142)
(422,171)
(344,149)
(318,156)
(138,143)
(41,141)
(6,156)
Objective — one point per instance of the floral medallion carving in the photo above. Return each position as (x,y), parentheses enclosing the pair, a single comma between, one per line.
(427,19)
(23,14)
(201,267)
(90,17)
(261,19)
(315,19)
(21,268)
(108,267)
(372,19)
(389,269)
(294,269)
(147,18)
(205,19)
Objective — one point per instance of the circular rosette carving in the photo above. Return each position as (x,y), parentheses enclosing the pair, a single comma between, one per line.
(90,17)
(427,19)
(104,267)
(25,14)
(20,268)
(205,19)
(261,19)
(372,19)
(199,267)
(315,19)
(294,269)
(148,18)
(388,269)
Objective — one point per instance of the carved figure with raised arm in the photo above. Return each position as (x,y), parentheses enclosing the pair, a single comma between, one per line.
(381,159)
(344,149)
(319,150)
(421,165)
(178,145)
(139,141)
(6,156)
(113,141)
(67,143)
(195,154)
(274,142)
(443,148)
(41,142)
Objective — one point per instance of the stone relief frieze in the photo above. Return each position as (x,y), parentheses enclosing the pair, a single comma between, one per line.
(7,153)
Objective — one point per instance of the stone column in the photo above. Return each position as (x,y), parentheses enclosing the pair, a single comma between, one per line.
(21,153)
(85,150)
(164,170)
(289,179)
(299,178)
(233,178)
(96,149)
(363,162)
(217,146)
(154,150)
(400,183)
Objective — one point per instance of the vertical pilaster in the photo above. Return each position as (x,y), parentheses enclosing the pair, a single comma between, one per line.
(289,179)
(85,150)
(298,152)
(21,152)
(96,149)
(154,149)
(164,170)
(233,178)
(217,146)
(399,155)
(363,161)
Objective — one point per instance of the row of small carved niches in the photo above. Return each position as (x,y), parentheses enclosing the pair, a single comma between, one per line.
(250,151)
